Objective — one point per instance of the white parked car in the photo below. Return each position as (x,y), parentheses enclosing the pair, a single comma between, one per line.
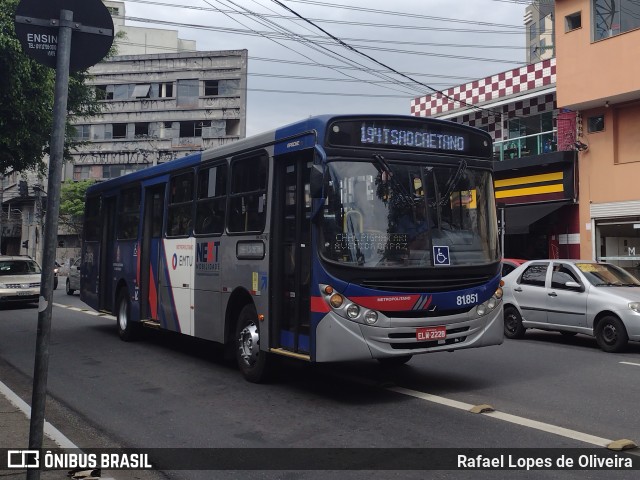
(573,296)
(73,279)
(19,280)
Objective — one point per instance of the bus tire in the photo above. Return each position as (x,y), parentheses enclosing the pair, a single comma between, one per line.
(127,330)
(394,361)
(252,362)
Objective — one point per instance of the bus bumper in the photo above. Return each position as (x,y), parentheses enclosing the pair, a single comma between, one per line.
(339,339)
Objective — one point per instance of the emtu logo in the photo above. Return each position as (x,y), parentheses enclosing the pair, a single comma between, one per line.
(174,261)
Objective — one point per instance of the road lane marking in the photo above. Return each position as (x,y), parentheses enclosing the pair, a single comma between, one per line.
(545,427)
(525,422)
(631,363)
(85,310)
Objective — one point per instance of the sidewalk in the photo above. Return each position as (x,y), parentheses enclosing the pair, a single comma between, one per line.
(14,434)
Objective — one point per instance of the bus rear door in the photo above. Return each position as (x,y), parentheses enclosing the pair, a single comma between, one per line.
(150,243)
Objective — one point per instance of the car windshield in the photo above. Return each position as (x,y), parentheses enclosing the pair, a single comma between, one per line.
(385,214)
(18,267)
(607,275)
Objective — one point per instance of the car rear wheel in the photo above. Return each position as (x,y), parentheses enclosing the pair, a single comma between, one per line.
(611,335)
(513,327)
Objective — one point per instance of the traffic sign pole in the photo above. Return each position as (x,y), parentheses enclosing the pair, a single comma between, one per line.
(41,367)
(67,45)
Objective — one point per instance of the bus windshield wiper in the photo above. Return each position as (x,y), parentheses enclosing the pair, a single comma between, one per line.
(397,188)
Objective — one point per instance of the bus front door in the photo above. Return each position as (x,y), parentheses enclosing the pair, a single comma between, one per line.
(150,251)
(291,266)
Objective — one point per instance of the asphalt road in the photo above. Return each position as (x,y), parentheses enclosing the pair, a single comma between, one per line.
(174,392)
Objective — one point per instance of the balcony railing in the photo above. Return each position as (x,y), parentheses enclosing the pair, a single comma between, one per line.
(525,146)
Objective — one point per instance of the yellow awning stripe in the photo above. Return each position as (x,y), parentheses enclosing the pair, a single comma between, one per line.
(545,177)
(521,192)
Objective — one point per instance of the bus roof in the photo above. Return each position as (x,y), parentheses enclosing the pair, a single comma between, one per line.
(316,125)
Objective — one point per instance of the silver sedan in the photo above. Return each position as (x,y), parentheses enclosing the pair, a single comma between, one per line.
(573,296)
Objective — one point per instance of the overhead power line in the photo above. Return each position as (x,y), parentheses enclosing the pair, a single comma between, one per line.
(351,48)
(510,30)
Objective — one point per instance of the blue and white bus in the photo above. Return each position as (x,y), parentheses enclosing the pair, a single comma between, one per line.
(336,238)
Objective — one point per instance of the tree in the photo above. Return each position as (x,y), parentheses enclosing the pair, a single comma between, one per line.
(26,101)
(72,201)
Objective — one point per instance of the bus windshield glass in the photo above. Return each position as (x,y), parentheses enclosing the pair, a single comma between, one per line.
(384,214)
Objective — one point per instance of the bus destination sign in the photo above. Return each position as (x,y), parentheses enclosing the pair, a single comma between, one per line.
(417,137)
(405,134)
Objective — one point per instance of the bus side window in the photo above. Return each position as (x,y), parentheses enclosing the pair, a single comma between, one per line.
(180,221)
(248,196)
(128,214)
(212,200)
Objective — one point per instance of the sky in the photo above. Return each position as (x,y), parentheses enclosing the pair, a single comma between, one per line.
(371,56)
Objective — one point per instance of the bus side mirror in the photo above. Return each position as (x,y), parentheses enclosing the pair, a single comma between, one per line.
(316,181)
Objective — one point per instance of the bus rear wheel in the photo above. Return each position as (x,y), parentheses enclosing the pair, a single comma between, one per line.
(252,362)
(127,330)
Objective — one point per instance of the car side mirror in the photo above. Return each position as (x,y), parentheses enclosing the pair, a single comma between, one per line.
(574,286)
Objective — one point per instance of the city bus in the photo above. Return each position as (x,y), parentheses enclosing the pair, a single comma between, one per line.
(337,238)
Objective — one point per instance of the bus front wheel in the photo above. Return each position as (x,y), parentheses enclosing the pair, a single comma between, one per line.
(127,330)
(253,362)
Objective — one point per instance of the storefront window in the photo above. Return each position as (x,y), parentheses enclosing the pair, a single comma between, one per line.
(618,242)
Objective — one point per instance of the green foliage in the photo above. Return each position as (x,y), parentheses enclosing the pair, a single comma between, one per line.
(26,101)
(72,201)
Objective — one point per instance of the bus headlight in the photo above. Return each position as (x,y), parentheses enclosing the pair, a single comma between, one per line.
(490,304)
(371,317)
(336,300)
(353,311)
(345,308)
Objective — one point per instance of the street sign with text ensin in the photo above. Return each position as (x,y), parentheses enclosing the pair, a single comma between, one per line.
(37,25)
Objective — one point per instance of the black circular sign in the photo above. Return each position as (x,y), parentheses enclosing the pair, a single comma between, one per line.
(92,29)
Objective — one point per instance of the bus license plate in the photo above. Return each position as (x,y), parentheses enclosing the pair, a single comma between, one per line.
(431,333)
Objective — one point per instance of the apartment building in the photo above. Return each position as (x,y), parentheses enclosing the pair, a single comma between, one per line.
(163,99)
(597,76)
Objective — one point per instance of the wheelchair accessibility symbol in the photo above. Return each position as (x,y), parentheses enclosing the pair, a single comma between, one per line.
(441,256)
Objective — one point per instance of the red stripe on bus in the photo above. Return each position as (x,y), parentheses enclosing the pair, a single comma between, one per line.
(391,303)
(318,305)
(153,295)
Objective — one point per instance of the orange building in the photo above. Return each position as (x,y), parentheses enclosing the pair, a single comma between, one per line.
(598,76)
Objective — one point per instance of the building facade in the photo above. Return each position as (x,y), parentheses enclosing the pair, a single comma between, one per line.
(162,100)
(535,157)
(596,42)
(539,22)
(158,107)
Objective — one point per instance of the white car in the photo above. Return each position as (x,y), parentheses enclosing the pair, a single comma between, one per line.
(20,279)
(573,296)
(73,280)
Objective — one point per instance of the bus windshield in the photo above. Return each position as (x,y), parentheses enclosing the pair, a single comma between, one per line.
(382,213)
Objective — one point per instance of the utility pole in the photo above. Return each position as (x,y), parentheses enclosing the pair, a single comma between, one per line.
(45,30)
